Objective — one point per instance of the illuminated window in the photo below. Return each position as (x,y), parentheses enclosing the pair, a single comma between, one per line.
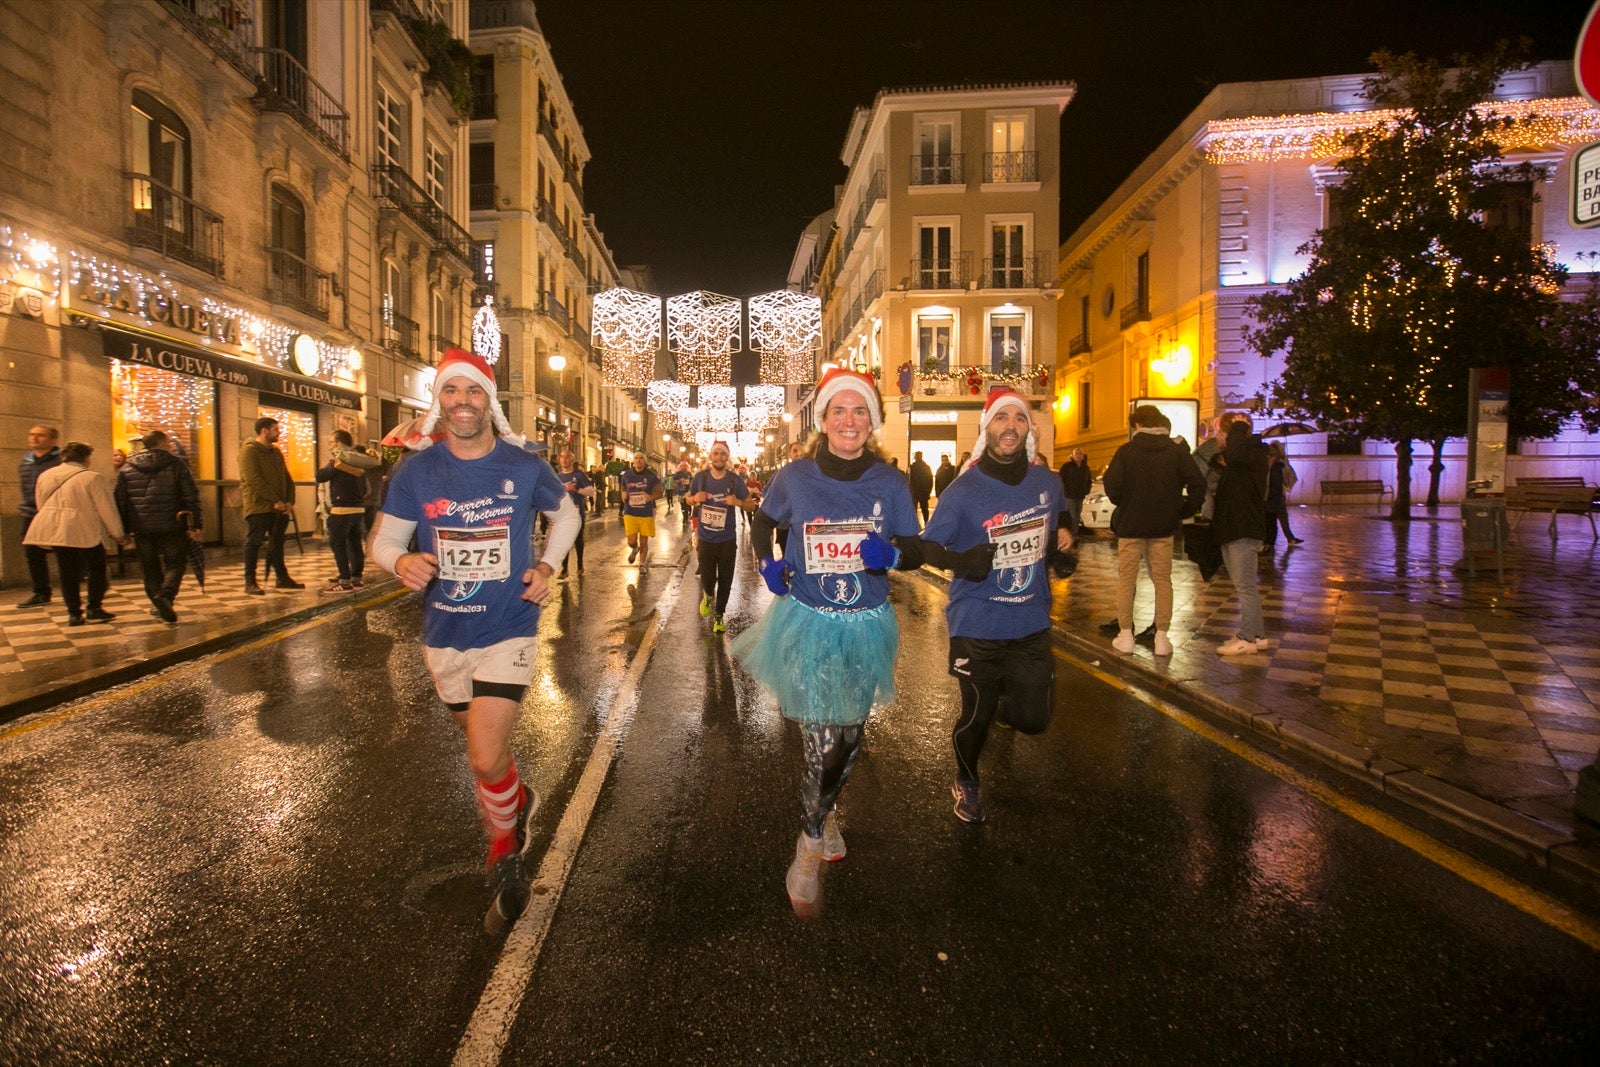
(159,159)
(934,351)
(1010,158)
(936,161)
(1008,342)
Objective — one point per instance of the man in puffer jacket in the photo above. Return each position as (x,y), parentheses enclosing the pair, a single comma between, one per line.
(345,475)
(1154,483)
(154,490)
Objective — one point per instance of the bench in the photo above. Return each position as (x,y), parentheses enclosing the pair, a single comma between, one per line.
(1561,495)
(1354,487)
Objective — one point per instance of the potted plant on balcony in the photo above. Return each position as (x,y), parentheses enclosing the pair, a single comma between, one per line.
(930,368)
(449,63)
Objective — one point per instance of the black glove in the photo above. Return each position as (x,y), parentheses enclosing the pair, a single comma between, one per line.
(1063,564)
(974,564)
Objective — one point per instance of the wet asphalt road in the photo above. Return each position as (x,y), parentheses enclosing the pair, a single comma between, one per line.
(272,857)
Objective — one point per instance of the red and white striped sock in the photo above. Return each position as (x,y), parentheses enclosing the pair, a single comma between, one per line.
(501,803)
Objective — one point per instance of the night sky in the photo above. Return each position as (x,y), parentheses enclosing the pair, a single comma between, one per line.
(716,126)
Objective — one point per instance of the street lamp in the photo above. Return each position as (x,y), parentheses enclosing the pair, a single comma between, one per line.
(558,363)
(633,417)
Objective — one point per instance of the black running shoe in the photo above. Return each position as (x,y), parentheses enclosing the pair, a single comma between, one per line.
(510,880)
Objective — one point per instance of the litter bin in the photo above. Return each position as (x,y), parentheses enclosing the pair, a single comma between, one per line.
(1484,529)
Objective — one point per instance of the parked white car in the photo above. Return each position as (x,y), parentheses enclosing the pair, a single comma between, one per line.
(1097,507)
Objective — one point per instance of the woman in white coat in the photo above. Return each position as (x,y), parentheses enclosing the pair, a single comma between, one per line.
(76,516)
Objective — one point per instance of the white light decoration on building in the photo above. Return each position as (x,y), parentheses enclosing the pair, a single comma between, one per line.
(703,332)
(786,327)
(486,332)
(663,396)
(626,327)
(1536,124)
(152,400)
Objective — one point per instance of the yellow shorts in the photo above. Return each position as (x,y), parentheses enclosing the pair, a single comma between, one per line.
(639,525)
(454,670)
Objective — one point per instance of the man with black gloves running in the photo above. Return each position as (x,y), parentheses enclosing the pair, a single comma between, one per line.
(1001,523)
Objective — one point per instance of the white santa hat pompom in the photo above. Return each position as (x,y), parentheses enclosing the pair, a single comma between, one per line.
(838,379)
(459,363)
(1003,396)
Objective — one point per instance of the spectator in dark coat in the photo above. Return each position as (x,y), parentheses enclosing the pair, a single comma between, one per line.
(43,453)
(154,490)
(1238,518)
(943,476)
(1076,479)
(921,477)
(1154,483)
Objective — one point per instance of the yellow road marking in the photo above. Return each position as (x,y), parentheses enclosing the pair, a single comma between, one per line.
(160,677)
(1544,908)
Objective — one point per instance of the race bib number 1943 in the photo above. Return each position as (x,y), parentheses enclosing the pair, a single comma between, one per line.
(1020,544)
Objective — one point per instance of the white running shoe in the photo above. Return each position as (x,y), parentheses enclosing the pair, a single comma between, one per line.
(804,880)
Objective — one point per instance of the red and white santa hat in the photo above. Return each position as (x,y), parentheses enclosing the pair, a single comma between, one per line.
(459,363)
(838,379)
(1004,396)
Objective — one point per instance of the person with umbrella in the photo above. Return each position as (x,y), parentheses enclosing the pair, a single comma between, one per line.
(155,490)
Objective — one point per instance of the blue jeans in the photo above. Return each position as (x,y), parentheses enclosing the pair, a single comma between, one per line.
(1240,557)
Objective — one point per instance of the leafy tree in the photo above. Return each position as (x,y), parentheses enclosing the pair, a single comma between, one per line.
(1424,272)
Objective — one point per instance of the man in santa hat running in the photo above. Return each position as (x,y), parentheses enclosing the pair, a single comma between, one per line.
(999,608)
(471,505)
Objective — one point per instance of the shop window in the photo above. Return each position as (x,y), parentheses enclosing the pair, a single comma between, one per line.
(297,437)
(145,399)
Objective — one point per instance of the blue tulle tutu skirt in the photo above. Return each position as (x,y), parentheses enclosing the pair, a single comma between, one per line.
(823,666)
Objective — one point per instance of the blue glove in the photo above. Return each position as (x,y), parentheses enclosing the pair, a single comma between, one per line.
(878,554)
(775,572)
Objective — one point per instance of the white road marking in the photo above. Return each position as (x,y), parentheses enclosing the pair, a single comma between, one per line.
(490,1026)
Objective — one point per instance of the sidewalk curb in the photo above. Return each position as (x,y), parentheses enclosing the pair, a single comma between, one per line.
(1521,838)
(87,683)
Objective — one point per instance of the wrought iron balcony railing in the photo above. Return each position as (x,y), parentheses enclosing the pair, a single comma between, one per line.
(556,310)
(1014,272)
(224,25)
(399,334)
(164,219)
(449,236)
(480,196)
(391,184)
(1138,311)
(951,273)
(1078,345)
(284,84)
(999,167)
(932,169)
(294,282)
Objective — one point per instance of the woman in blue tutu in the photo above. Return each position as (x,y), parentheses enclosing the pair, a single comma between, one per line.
(826,647)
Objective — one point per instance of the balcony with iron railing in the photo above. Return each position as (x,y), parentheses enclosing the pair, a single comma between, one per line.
(480,196)
(1138,311)
(1078,345)
(284,84)
(399,334)
(449,236)
(950,273)
(394,188)
(973,381)
(293,282)
(1001,168)
(1016,272)
(936,169)
(224,26)
(166,220)
(556,311)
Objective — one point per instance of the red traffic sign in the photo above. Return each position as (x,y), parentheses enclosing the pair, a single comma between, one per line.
(1586,60)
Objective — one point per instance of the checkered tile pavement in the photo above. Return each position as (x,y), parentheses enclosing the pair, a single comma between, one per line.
(38,641)
(1377,639)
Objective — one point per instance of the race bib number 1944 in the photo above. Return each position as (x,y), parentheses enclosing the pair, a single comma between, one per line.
(834,547)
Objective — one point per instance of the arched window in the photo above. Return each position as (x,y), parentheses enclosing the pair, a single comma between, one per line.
(160,148)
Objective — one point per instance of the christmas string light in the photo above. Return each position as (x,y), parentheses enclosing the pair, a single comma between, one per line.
(764,396)
(626,327)
(703,332)
(785,328)
(1534,124)
(486,332)
(665,396)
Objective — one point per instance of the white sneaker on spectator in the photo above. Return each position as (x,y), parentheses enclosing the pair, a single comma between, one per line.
(1237,646)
